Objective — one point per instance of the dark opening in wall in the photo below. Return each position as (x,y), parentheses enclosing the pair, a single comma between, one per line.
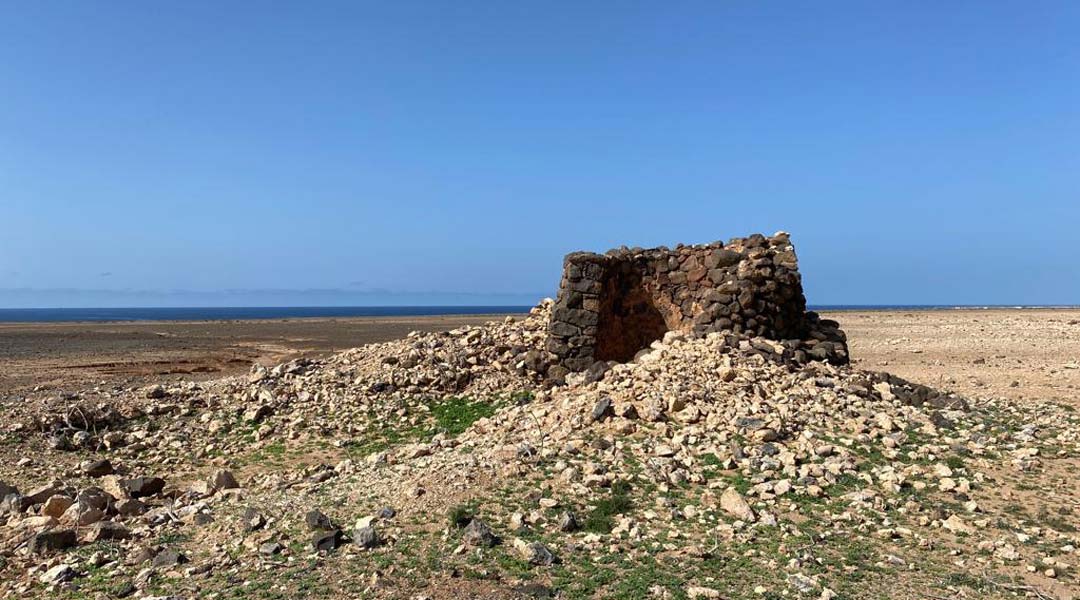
(628,320)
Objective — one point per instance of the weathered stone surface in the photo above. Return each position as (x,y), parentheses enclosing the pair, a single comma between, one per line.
(533,552)
(98,468)
(223,480)
(366,537)
(316,520)
(477,533)
(324,541)
(53,539)
(612,306)
(140,487)
(735,505)
(108,530)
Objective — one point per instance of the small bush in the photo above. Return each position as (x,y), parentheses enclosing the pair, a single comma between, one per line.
(460,515)
(602,518)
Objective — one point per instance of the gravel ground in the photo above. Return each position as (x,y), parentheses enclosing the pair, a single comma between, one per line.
(941,464)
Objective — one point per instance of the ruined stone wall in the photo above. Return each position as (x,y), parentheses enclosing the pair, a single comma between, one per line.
(610,306)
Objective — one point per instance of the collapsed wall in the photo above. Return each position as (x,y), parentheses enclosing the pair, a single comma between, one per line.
(611,306)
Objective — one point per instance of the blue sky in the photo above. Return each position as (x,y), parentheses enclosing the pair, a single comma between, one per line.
(434,152)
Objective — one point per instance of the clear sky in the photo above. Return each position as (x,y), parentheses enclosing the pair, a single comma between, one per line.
(320,152)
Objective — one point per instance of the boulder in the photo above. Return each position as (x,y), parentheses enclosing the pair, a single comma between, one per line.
(52,540)
(326,540)
(732,502)
(97,468)
(366,537)
(477,533)
(533,553)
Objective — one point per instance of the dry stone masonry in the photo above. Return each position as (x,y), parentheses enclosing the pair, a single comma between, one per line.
(612,306)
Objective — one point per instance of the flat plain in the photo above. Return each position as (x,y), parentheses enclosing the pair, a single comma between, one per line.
(1015,353)
(61,356)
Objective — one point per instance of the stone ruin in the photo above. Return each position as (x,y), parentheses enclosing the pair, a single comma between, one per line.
(612,306)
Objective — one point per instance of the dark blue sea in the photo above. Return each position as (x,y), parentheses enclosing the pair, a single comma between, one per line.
(234,313)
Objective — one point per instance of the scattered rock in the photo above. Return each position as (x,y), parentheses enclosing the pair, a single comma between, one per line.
(59,574)
(317,521)
(533,553)
(223,480)
(98,468)
(325,541)
(366,537)
(735,505)
(53,539)
(169,558)
(477,533)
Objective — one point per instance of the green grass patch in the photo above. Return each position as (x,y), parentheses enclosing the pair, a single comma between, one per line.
(954,462)
(602,518)
(456,414)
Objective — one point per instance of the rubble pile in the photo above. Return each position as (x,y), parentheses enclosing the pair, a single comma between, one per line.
(701,446)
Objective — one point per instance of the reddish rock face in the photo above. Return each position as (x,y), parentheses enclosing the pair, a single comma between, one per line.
(611,306)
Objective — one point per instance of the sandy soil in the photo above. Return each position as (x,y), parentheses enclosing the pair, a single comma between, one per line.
(66,356)
(1018,354)
(1015,354)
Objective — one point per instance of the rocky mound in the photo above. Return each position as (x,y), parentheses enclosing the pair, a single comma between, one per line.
(447,464)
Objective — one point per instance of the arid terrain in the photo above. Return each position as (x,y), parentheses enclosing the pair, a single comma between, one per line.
(437,466)
(61,356)
(1029,355)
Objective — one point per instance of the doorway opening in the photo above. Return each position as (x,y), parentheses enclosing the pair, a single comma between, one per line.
(629,319)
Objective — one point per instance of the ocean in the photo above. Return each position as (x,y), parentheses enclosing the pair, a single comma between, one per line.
(239,313)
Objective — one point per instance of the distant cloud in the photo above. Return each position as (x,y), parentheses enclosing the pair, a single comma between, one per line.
(358,283)
(105,274)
